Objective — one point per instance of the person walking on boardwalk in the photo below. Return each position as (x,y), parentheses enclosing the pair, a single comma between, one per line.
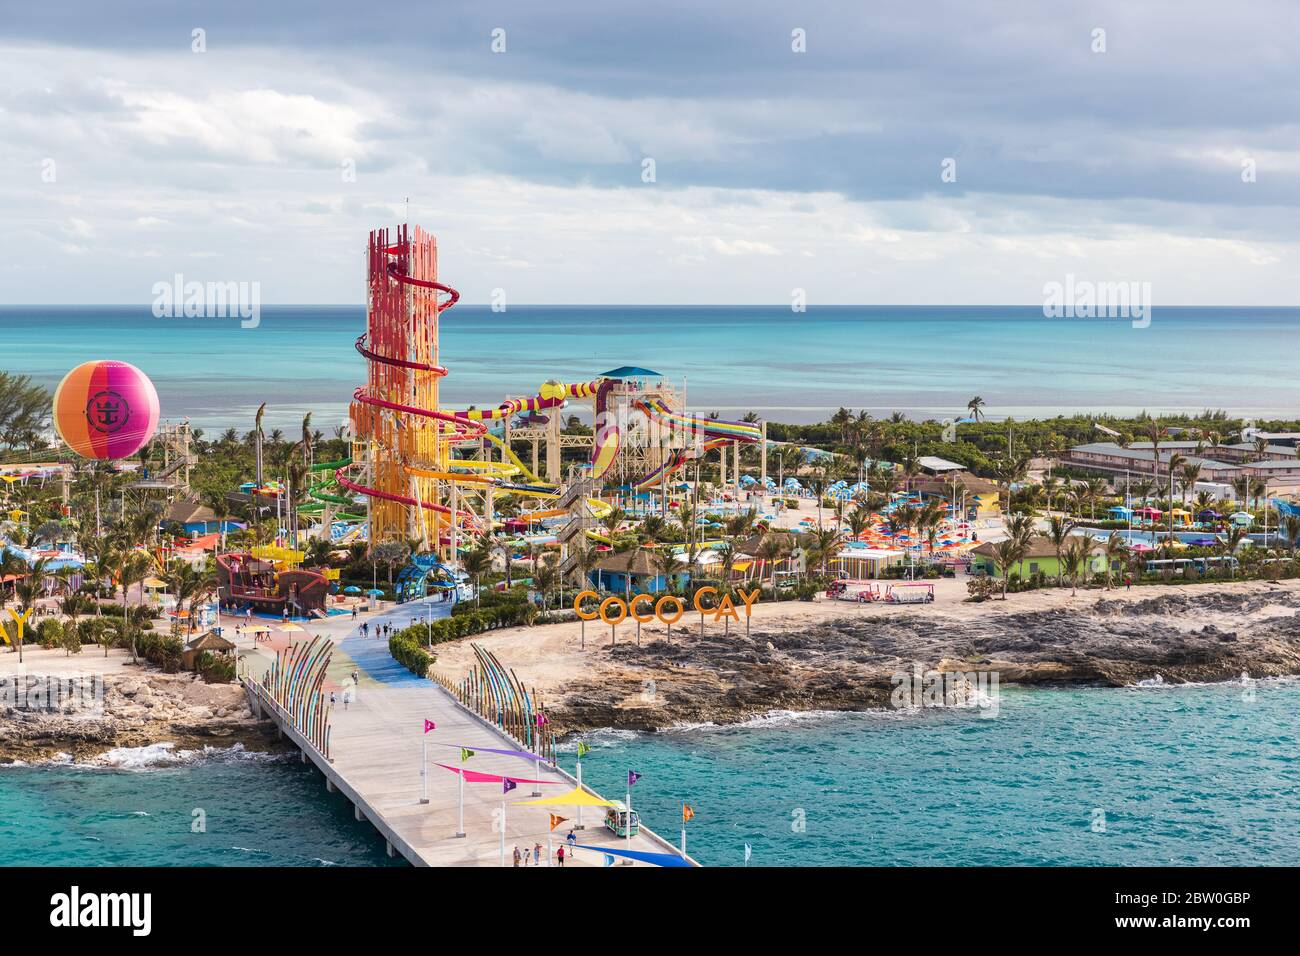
(537,854)
(516,856)
(559,855)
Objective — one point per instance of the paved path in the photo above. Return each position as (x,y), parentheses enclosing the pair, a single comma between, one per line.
(376,744)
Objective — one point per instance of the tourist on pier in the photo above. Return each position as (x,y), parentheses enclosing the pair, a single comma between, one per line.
(537,854)
(516,856)
(559,855)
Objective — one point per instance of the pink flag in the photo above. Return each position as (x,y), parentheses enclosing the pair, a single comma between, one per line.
(429,725)
(542,719)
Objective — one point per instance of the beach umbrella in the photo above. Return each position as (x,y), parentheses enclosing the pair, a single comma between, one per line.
(352,589)
(375,592)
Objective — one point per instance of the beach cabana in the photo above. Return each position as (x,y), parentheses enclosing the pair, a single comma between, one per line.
(862,564)
(1120,513)
(1242,519)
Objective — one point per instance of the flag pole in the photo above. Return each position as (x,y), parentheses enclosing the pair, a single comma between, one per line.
(578,825)
(503,827)
(683,841)
(460,830)
(424,770)
(629,814)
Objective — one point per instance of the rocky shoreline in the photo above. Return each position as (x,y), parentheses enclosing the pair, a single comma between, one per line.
(849,662)
(136,710)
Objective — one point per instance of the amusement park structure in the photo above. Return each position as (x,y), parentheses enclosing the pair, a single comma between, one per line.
(432,475)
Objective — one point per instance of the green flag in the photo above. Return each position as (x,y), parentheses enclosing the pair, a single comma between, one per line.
(465,754)
(583,750)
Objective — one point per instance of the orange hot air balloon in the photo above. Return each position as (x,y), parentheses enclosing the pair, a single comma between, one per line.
(106,409)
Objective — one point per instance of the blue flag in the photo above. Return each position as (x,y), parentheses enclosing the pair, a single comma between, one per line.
(507,784)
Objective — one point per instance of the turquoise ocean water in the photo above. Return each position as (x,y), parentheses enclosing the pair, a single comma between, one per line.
(788,367)
(140,811)
(1175,776)
(1187,775)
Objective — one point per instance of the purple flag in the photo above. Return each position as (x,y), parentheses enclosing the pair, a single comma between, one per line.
(632,777)
(507,785)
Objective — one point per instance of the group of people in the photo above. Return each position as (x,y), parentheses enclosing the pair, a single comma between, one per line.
(524,856)
(533,857)
(381,631)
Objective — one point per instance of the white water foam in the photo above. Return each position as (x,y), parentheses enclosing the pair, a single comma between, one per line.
(161,755)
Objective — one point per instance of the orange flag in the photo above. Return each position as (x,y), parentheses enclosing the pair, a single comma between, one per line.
(557,820)
(687,813)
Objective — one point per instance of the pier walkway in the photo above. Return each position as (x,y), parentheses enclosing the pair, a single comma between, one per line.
(376,748)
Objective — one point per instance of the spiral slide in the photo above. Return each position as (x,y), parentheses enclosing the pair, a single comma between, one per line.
(388,322)
(717,434)
(322,495)
(552,395)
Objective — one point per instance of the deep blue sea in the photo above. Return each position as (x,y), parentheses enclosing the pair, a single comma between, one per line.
(1172,775)
(925,361)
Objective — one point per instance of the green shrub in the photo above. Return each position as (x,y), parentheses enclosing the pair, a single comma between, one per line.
(216,668)
(405,648)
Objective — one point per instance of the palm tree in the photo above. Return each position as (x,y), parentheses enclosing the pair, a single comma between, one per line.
(545,579)
(1115,550)
(477,562)
(726,552)
(1291,530)
(1188,477)
(584,559)
(133,570)
(976,408)
(774,546)
(1077,555)
(1007,553)
(859,521)
(258,437)
(189,586)
(27,591)
(668,563)
(613,521)
(1058,532)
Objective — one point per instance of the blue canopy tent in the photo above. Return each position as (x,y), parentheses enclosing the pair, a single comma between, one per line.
(657,859)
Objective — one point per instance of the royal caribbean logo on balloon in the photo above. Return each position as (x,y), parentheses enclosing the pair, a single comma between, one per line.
(106,409)
(107,412)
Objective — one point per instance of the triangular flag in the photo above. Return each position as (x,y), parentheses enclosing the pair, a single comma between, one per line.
(465,754)
(583,750)
(688,814)
(507,785)
(542,719)
(609,860)
(429,725)
(632,777)
(557,820)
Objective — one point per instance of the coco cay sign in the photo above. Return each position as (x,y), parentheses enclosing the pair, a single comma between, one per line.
(668,609)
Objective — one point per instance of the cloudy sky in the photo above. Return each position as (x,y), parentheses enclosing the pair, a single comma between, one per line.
(128,157)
